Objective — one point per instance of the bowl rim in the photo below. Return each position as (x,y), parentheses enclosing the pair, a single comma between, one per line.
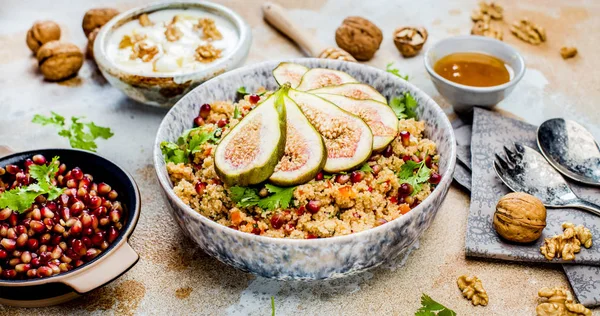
(447,178)
(123,238)
(243,28)
(517,77)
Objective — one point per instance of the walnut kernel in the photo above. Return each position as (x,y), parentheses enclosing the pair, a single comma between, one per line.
(492,9)
(128,41)
(145,20)
(207,53)
(410,40)
(568,243)
(144,51)
(568,52)
(520,217)
(173,33)
(96,18)
(336,53)
(559,301)
(472,289)
(529,32)
(209,29)
(485,29)
(59,60)
(41,33)
(359,37)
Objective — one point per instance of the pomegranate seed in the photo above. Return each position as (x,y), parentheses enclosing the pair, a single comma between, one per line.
(28,163)
(33,244)
(77,207)
(3,254)
(87,241)
(114,215)
(71,183)
(200,187)
(405,137)
(63,245)
(117,206)
(79,263)
(65,213)
(76,173)
(5,213)
(9,274)
(56,239)
(94,222)
(112,195)
(254,98)
(98,238)
(320,176)
(388,151)
(106,203)
(342,178)
(204,110)
(435,178)
(86,220)
(311,236)
(103,188)
(64,199)
(428,162)
(13,219)
(256,231)
(104,221)
(84,183)
(92,253)
(48,222)
(46,212)
(4,230)
(370,189)
(62,168)
(56,253)
(277,220)
(100,211)
(44,271)
(8,244)
(405,189)
(87,231)
(22,240)
(36,262)
(77,228)
(416,159)
(65,259)
(45,239)
(12,169)
(394,200)
(20,229)
(222,122)
(104,245)
(81,193)
(79,248)
(26,257)
(409,200)
(376,169)
(37,226)
(289,228)
(14,261)
(39,159)
(112,234)
(357,176)
(300,211)
(11,234)
(313,206)
(380,222)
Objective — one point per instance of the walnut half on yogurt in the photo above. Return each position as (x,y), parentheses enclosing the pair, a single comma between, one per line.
(171,41)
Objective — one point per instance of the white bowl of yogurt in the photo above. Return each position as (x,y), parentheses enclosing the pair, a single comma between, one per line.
(157,53)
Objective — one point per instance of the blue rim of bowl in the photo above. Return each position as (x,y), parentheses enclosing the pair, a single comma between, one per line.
(518,76)
(447,176)
(245,34)
(123,238)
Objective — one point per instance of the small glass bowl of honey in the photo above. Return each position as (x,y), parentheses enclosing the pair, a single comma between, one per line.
(473,71)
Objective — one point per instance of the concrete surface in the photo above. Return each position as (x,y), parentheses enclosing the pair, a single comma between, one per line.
(175,277)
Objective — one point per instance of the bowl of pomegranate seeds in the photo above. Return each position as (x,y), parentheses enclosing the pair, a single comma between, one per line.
(65,218)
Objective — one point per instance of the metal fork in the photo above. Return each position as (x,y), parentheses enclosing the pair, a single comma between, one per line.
(525,170)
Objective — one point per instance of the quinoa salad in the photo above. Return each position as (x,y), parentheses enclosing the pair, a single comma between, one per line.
(333,184)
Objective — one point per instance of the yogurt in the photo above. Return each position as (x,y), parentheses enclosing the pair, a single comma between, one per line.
(148,50)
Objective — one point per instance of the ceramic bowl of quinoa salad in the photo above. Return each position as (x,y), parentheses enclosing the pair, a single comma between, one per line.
(305,169)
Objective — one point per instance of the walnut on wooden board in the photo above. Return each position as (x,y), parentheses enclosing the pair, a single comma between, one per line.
(568,52)
(472,289)
(410,40)
(559,301)
(567,244)
(359,37)
(96,18)
(207,53)
(59,60)
(41,33)
(486,29)
(520,217)
(528,31)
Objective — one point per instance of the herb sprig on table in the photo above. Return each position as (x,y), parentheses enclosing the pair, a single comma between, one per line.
(408,175)
(429,307)
(395,71)
(80,134)
(280,197)
(21,198)
(404,106)
(188,144)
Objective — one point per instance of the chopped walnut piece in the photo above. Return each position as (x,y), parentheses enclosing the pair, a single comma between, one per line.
(173,33)
(477,15)
(568,52)
(559,302)
(130,41)
(336,53)
(144,51)
(529,32)
(568,243)
(472,289)
(207,53)
(491,9)
(145,20)
(485,29)
(209,29)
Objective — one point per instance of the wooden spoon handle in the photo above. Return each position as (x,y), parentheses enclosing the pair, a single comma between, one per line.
(279,19)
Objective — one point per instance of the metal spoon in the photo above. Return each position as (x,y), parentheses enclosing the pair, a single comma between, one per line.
(571,149)
(526,170)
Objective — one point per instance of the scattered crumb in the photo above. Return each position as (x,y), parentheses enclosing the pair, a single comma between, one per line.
(568,52)
(183,292)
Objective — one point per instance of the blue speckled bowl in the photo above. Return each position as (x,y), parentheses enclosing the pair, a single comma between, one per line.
(312,259)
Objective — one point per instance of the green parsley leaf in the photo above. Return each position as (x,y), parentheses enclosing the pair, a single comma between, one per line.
(407,175)
(236,112)
(327,176)
(272,306)
(43,173)
(429,307)
(366,168)
(280,197)
(188,144)
(395,71)
(404,106)
(80,135)
(244,196)
(173,153)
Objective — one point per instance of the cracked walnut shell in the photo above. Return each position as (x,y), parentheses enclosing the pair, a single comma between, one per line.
(529,32)
(41,33)
(59,60)
(472,289)
(559,302)
(520,217)
(96,18)
(359,37)
(410,40)
(568,243)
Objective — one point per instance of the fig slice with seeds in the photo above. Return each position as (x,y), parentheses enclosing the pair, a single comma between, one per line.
(250,151)
(305,153)
(379,116)
(320,77)
(348,139)
(359,91)
(289,73)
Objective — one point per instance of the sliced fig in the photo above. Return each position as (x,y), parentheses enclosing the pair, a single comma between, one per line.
(321,77)
(289,72)
(348,139)
(379,116)
(305,153)
(250,151)
(358,91)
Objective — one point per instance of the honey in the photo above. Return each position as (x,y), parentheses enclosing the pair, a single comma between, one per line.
(473,69)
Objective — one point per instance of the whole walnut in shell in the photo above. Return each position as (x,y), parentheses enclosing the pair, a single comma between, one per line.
(96,18)
(359,37)
(59,60)
(520,217)
(41,33)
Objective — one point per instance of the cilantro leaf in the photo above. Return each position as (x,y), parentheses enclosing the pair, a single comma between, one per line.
(236,112)
(188,144)
(172,153)
(242,90)
(404,106)
(366,168)
(395,71)
(244,196)
(407,175)
(44,172)
(429,307)
(280,197)
(80,135)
